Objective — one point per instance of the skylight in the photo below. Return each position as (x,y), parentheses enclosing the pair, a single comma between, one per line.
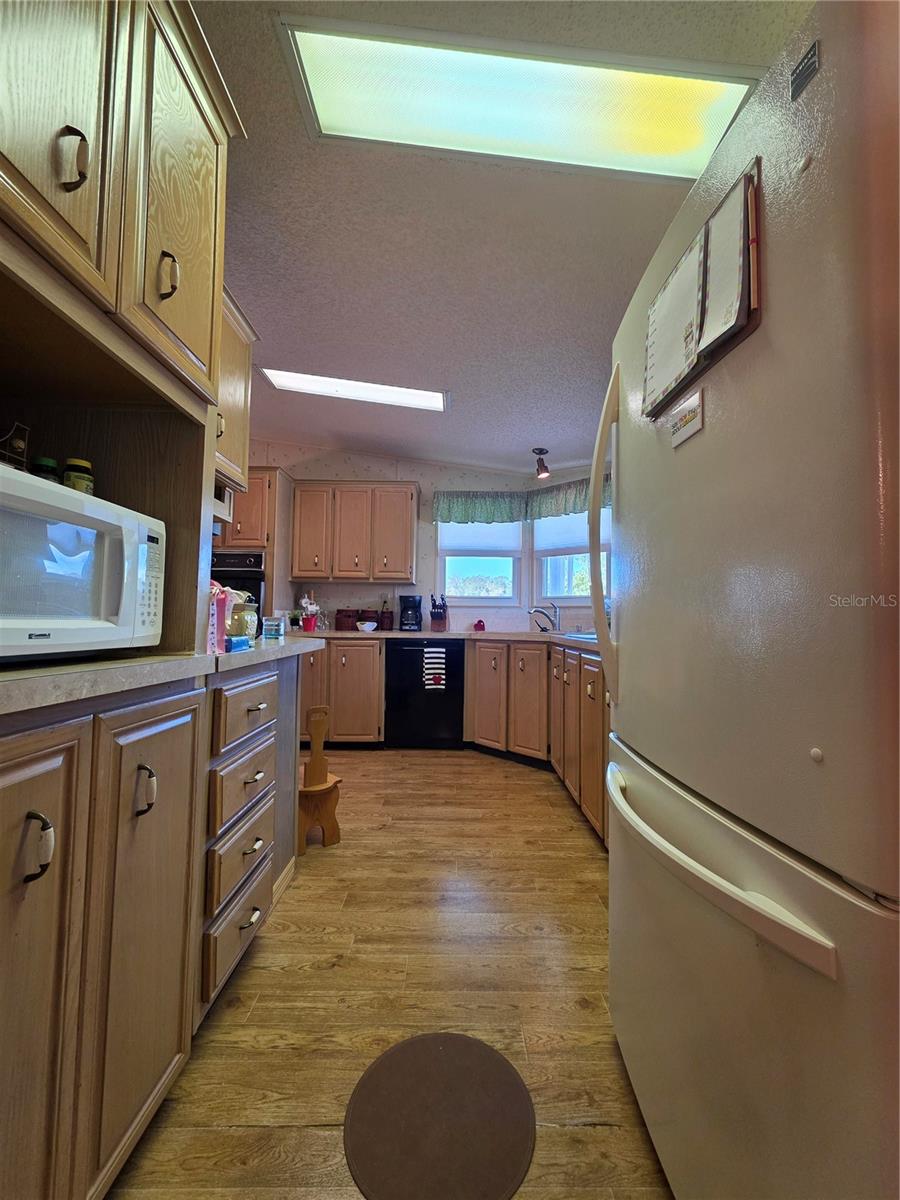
(351,389)
(499,103)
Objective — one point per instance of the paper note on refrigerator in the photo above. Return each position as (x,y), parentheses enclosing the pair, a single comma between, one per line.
(725,306)
(673,326)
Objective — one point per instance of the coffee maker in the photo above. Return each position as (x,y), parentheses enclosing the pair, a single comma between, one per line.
(411,612)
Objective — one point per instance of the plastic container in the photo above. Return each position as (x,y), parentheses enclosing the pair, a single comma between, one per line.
(79,474)
(45,468)
(272,628)
(309,623)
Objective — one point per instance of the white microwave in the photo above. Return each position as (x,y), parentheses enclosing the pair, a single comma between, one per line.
(77,574)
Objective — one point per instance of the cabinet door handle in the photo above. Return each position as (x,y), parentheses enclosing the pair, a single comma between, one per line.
(255,778)
(254,917)
(46,845)
(566,678)
(238,527)
(590,690)
(494,663)
(166,256)
(521,664)
(151,790)
(356,560)
(343,660)
(556,672)
(316,560)
(82,158)
(254,849)
(261,707)
(220,424)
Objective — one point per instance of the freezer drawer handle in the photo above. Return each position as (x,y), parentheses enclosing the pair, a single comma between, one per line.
(766,918)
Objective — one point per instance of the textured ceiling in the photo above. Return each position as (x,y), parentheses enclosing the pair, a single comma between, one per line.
(501,283)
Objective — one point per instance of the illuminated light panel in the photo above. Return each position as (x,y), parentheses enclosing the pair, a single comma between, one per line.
(499,104)
(351,389)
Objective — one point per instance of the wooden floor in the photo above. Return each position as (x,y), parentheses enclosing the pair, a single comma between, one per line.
(468,893)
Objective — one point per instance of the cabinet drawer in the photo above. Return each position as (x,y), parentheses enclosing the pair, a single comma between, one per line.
(228,937)
(242,707)
(233,858)
(239,782)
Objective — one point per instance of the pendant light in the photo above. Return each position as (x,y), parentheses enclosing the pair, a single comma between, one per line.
(543,471)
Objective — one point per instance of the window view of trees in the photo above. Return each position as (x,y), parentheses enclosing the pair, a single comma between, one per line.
(470,576)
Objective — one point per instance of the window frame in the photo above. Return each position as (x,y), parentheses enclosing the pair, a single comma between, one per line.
(517,557)
(537,573)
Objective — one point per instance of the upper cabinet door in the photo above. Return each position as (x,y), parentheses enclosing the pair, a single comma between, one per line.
(311,551)
(63,71)
(44,809)
(233,417)
(249,524)
(175,204)
(393,533)
(352,532)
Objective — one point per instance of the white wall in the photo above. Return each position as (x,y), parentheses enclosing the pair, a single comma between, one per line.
(311,462)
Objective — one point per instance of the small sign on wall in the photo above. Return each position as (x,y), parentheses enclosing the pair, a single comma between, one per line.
(687,417)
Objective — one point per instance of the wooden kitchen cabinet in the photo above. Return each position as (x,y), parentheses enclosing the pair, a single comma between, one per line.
(181,119)
(140,953)
(62,127)
(312,531)
(594,730)
(44,777)
(355,690)
(572,721)
(491,700)
(249,521)
(556,703)
(233,414)
(528,731)
(313,685)
(394,515)
(352,532)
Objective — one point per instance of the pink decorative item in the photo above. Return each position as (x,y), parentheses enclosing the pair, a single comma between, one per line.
(479,626)
(309,624)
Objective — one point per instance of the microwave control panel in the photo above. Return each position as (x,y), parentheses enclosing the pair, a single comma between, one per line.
(151,574)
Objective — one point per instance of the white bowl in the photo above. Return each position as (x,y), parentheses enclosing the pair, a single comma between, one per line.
(366,626)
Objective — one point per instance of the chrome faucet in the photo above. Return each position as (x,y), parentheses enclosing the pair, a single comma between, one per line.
(554,619)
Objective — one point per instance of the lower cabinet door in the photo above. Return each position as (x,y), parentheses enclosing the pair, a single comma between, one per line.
(313,685)
(491,660)
(356,691)
(593,741)
(140,933)
(528,699)
(572,722)
(556,709)
(44,806)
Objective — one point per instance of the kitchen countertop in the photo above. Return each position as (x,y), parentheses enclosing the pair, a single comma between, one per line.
(579,641)
(27,687)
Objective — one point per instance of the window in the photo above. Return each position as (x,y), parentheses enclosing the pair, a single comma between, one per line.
(562,558)
(480,562)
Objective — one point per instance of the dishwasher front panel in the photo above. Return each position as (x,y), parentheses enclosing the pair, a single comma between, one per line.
(424,693)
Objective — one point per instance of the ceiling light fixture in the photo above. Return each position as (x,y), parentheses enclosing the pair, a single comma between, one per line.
(484,98)
(543,471)
(351,389)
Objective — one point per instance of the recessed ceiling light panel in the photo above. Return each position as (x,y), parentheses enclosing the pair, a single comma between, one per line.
(514,106)
(351,389)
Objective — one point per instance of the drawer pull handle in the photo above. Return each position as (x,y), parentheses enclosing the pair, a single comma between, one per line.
(151,790)
(261,707)
(255,779)
(255,848)
(174,274)
(220,424)
(254,917)
(46,845)
(82,158)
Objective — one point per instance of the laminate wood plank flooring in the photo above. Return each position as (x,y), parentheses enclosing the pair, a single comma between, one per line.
(468,893)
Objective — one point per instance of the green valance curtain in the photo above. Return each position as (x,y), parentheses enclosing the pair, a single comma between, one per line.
(462,508)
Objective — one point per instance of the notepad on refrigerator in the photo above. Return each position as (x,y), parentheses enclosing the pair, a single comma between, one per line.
(727,301)
(673,326)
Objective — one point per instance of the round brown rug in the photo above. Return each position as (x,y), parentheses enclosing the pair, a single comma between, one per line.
(439,1117)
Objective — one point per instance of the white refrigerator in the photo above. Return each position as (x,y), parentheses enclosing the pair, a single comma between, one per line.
(752,665)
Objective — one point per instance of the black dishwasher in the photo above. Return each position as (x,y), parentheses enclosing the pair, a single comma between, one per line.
(424,693)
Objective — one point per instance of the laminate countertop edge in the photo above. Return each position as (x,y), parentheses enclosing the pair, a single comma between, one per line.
(572,640)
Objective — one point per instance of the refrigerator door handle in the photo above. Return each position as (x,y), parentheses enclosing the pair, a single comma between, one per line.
(767,919)
(609,415)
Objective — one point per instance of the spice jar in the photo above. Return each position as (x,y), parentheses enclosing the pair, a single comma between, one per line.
(79,474)
(45,468)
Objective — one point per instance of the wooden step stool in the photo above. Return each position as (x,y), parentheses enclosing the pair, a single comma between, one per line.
(317,799)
